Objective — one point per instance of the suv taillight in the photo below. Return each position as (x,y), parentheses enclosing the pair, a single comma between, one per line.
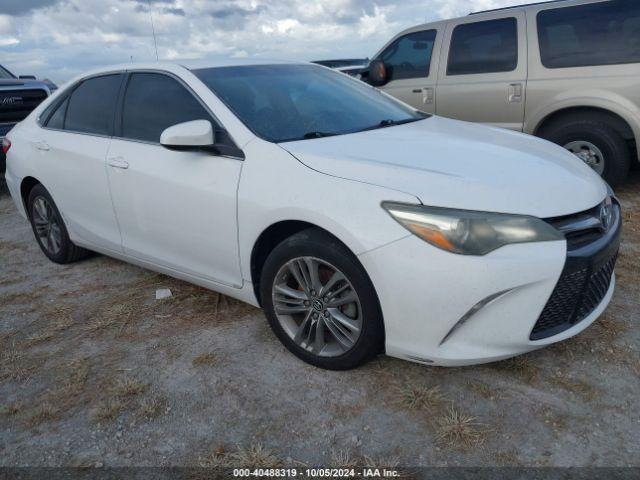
(6,145)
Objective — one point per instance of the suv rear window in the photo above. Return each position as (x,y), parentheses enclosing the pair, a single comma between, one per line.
(409,56)
(484,47)
(605,33)
(92,105)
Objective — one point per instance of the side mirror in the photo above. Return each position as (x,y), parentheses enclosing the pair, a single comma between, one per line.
(193,135)
(27,77)
(378,75)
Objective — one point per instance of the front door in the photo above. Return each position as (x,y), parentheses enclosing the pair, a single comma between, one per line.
(483,73)
(411,63)
(176,209)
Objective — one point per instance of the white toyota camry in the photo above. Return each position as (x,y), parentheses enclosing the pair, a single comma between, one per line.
(358,224)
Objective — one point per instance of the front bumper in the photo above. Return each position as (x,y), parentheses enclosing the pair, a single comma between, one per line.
(424,292)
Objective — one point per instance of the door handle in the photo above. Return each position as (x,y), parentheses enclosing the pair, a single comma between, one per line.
(118,162)
(515,93)
(42,145)
(427,95)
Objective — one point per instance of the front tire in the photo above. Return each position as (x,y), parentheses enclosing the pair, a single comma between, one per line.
(320,302)
(595,143)
(49,228)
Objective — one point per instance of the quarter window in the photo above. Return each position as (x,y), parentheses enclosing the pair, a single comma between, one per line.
(57,119)
(92,104)
(605,33)
(154,102)
(484,47)
(410,55)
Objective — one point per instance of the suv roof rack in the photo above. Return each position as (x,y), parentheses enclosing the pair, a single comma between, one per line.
(517,6)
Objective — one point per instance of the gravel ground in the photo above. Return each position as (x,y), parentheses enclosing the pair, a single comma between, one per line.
(95,371)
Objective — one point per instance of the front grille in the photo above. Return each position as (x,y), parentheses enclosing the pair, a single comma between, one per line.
(15,105)
(575,297)
(592,250)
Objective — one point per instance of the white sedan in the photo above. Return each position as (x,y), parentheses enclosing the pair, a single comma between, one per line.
(358,224)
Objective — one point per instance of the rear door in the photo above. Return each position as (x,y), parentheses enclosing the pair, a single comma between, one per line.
(483,74)
(175,208)
(411,62)
(73,145)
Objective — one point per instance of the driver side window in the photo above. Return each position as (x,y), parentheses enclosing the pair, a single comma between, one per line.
(409,56)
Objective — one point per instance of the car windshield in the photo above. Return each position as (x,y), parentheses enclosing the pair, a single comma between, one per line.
(283,103)
(4,73)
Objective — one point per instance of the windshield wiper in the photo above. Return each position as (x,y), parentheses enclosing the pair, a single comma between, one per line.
(317,135)
(390,123)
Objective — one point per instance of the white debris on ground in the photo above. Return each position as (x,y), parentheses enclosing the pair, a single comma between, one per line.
(163,293)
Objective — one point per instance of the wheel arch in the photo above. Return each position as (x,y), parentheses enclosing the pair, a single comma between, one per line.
(272,236)
(605,115)
(26,186)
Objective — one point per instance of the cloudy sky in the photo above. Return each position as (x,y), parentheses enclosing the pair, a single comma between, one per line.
(60,38)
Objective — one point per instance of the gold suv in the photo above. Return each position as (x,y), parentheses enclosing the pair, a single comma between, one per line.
(567,71)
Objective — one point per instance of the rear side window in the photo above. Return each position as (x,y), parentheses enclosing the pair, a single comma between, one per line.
(92,104)
(605,33)
(57,119)
(409,56)
(484,47)
(154,102)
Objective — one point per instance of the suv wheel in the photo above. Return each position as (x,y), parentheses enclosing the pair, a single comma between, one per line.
(595,143)
(49,228)
(320,302)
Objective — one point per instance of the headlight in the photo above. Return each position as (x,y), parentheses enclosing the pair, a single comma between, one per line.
(468,232)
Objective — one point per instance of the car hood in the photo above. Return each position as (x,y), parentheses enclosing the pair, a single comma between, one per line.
(448,163)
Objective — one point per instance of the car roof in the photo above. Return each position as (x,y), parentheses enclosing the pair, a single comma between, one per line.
(188,64)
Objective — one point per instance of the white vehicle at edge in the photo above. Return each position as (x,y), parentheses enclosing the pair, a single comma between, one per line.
(359,224)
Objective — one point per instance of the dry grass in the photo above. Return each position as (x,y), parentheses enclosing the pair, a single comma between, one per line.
(558,422)
(205,359)
(576,386)
(421,398)
(484,390)
(458,430)
(44,412)
(128,387)
(15,366)
(343,459)
(522,367)
(11,410)
(108,410)
(506,458)
(255,456)
(151,408)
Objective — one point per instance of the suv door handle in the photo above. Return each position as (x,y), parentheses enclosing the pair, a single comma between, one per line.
(42,145)
(515,93)
(427,95)
(118,162)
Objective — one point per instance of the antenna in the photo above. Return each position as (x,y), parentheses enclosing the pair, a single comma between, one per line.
(153,29)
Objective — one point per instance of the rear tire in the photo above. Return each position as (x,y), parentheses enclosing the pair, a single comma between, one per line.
(614,149)
(49,228)
(324,319)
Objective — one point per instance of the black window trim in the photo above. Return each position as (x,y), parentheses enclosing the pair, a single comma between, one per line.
(396,40)
(226,151)
(514,17)
(116,124)
(66,94)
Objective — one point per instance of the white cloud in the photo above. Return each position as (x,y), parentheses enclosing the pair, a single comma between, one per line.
(61,38)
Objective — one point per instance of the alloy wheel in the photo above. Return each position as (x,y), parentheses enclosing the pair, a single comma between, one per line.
(47,226)
(588,153)
(317,306)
